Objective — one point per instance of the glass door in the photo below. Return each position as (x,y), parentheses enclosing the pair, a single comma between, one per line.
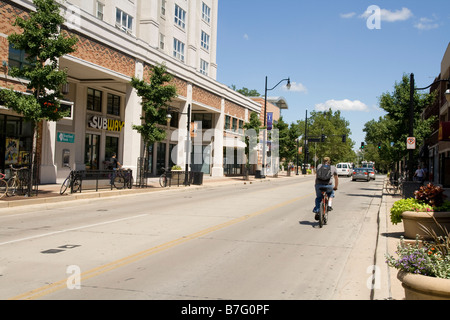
(92,151)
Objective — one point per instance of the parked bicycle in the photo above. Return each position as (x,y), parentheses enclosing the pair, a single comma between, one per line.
(18,181)
(164,178)
(122,178)
(3,185)
(71,181)
(323,210)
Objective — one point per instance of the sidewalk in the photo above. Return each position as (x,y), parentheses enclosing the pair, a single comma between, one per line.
(49,193)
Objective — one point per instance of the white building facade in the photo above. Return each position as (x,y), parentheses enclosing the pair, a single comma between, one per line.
(117,40)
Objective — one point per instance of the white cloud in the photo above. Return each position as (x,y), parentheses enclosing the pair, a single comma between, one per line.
(246,37)
(391,16)
(296,87)
(342,105)
(426,24)
(348,15)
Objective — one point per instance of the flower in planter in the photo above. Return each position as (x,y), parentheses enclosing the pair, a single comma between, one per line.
(431,194)
(408,204)
(424,260)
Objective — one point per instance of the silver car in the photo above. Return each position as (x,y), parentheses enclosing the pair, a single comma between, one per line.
(361,174)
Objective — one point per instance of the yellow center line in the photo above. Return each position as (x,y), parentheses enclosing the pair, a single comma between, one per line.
(45,290)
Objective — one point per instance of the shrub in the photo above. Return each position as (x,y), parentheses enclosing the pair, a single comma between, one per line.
(408,204)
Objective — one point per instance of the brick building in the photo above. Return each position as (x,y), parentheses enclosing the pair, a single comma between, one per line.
(117,40)
(435,153)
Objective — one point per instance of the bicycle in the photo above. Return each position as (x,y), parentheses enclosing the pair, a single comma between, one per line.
(16,182)
(71,181)
(3,186)
(323,209)
(122,178)
(164,179)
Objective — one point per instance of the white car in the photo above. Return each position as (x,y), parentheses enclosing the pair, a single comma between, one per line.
(344,169)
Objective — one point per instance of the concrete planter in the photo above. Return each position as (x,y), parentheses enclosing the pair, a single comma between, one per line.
(412,219)
(419,287)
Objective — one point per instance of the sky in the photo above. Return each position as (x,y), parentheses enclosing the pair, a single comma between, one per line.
(338,54)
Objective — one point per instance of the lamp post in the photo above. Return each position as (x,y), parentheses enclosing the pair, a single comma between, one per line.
(411,116)
(288,85)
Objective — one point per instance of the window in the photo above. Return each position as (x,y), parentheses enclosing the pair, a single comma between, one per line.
(227,122)
(178,49)
(113,104)
(205,40)
(180,17)
(241,126)
(234,124)
(111,146)
(92,151)
(124,21)
(163,7)
(161,41)
(205,118)
(206,13)
(94,100)
(18,58)
(204,67)
(100,8)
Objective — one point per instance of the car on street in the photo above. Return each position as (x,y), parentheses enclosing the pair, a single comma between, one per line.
(360,174)
(372,173)
(344,169)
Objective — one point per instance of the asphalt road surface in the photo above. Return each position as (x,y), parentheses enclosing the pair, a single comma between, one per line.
(247,242)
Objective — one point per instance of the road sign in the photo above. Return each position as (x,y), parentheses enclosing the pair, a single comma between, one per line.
(411,143)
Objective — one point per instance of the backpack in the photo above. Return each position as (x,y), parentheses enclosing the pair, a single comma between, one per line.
(324,173)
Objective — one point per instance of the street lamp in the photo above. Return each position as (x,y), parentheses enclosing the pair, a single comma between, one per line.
(288,85)
(411,116)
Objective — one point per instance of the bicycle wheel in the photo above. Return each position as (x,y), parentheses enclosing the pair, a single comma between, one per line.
(64,186)
(3,188)
(76,185)
(119,182)
(12,187)
(321,214)
(163,180)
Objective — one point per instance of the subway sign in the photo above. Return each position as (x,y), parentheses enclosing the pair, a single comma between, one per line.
(103,123)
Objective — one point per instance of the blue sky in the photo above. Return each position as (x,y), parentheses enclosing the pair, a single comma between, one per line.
(330,54)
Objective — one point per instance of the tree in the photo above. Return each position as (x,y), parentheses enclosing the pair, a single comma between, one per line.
(44,43)
(246,92)
(156,94)
(393,129)
(333,126)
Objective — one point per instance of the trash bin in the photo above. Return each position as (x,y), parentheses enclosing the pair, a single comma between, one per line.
(258,174)
(197,178)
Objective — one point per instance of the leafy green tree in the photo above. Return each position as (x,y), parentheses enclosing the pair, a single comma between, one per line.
(156,96)
(334,127)
(44,43)
(246,92)
(393,129)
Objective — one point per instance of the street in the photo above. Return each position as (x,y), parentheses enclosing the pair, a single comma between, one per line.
(255,241)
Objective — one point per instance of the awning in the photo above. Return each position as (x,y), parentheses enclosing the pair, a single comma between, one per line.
(233,143)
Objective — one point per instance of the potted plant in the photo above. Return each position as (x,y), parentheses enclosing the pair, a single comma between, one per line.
(427,205)
(177,176)
(424,268)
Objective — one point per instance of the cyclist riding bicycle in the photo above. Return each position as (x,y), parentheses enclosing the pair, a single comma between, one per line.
(324,174)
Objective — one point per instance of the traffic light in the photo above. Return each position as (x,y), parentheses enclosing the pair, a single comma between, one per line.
(322,139)
(362,145)
(379,145)
(344,138)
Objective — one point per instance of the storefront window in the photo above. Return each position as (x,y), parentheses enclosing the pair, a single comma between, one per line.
(94,100)
(16,137)
(161,157)
(112,146)
(91,157)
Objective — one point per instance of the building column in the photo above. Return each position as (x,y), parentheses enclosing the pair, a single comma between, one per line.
(217,169)
(184,136)
(48,166)
(132,140)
